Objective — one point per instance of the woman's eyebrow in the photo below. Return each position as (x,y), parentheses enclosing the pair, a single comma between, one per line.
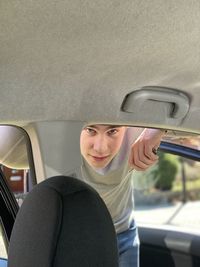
(107,127)
(117,126)
(91,126)
(114,126)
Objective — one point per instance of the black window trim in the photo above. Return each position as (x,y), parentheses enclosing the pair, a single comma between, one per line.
(180,150)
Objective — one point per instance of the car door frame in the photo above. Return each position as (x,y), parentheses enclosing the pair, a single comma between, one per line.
(166,245)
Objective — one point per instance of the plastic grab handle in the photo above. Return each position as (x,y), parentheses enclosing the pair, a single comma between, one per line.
(179,101)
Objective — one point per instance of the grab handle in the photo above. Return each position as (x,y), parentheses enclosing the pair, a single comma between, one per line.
(179,102)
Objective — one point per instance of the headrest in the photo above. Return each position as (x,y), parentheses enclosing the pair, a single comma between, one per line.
(63,222)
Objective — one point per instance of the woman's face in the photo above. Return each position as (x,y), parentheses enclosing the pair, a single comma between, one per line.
(100,143)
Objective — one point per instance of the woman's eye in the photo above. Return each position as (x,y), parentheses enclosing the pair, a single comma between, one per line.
(90,131)
(112,131)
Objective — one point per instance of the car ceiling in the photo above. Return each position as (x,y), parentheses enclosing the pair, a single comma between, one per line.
(77,60)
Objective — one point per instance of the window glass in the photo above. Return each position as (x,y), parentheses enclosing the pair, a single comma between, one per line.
(188,140)
(16,166)
(17,181)
(169,192)
(15,158)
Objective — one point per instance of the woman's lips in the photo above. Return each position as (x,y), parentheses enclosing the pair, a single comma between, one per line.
(97,158)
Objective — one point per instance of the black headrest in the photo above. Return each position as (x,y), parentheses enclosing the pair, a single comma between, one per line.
(62,223)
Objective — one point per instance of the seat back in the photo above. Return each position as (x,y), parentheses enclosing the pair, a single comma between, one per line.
(62,223)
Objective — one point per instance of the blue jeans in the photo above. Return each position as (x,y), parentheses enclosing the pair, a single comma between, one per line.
(128,246)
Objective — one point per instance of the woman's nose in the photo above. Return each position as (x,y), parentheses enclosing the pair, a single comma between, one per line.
(100,144)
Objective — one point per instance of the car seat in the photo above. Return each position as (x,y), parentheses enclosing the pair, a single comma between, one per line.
(63,223)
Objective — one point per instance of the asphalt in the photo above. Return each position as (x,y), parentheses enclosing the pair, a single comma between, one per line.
(178,214)
(3,253)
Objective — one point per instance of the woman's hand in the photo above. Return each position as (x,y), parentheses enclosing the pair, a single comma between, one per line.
(143,151)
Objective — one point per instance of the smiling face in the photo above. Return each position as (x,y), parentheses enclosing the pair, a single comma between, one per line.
(100,143)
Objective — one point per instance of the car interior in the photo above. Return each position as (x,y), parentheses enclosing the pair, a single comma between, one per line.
(68,64)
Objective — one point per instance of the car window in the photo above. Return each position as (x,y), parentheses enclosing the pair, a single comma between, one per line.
(15,156)
(17,180)
(169,192)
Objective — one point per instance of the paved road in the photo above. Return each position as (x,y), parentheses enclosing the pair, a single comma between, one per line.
(3,253)
(187,215)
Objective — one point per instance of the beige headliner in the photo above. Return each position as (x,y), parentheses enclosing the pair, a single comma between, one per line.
(77,60)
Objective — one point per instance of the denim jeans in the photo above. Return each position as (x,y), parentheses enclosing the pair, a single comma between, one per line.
(128,246)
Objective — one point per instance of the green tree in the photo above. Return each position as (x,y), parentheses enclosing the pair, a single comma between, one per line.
(145,180)
(166,171)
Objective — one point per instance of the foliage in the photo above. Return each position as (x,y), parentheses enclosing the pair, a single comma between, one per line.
(166,171)
(145,180)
